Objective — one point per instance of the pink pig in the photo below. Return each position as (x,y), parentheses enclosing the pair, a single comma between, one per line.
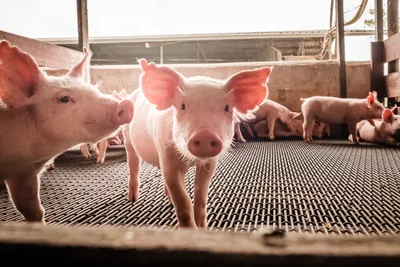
(42,116)
(184,122)
(335,110)
(381,131)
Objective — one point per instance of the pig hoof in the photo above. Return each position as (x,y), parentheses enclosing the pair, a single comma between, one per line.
(133,196)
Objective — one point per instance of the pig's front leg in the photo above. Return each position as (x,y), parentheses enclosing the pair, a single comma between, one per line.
(204,174)
(271,126)
(239,133)
(352,126)
(307,129)
(174,173)
(102,151)
(85,150)
(24,193)
(249,130)
(133,165)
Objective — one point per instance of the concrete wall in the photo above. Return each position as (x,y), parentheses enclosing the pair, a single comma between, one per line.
(288,81)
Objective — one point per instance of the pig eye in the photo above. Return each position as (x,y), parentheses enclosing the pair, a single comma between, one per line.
(183,106)
(64,99)
(227,108)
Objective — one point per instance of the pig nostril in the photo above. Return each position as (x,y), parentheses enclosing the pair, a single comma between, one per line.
(120,113)
(197,143)
(213,144)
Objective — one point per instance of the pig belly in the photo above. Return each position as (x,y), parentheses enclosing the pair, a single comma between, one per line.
(368,133)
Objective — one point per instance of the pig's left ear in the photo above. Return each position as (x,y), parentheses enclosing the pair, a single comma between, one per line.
(19,75)
(249,88)
(82,68)
(371,98)
(159,84)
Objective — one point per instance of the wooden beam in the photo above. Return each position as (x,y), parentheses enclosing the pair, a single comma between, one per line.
(392,48)
(341,47)
(377,70)
(45,54)
(378,20)
(393,28)
(83,29)
(111,246)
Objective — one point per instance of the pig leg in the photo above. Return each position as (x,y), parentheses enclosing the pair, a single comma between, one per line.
(239,133)
(271,125)
(134,167)
(321,128)
(249,130)
(24,194)
(102,151)
(166,193)
(204,174)
(85,150)
(352,126)
(307,128)
(391,141)
(174,173)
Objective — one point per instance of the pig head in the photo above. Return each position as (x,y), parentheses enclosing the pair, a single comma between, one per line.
(181,122)
(42,116)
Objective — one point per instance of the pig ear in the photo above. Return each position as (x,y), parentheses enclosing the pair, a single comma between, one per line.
(387,116)
(123,93)
(82,68)
(299,116)
(249,88)
(19,75)
(371,98)
(293,115)
(159,84)
(394,108)
(116,95)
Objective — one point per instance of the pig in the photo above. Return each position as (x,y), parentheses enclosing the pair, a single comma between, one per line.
(183,122)
(335,110)
(380,131)
(281,130)
(42,116)
(271,111)
(99,149)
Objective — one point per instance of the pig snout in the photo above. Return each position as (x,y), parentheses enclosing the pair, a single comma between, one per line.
(204,144)
(124,112)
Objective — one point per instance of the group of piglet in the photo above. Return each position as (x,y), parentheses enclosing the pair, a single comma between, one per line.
(171,121)
(366,118)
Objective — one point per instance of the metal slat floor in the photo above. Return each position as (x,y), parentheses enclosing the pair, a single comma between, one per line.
(328,187)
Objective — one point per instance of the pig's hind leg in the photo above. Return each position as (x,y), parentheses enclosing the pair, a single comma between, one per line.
(271,126)
(133,165)
(239,135)
(24,193)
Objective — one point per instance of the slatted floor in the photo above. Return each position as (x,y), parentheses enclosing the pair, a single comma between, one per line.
(328,187)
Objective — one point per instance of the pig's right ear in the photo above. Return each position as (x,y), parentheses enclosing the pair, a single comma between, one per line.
(387,116)
(19,75)
(298,116)
(159,84)
(82,68)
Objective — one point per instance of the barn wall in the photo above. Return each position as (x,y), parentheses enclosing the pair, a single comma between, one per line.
(288,82)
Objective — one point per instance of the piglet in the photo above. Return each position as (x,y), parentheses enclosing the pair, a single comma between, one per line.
(183,122)
(42,116)
(380,131)
(335,110)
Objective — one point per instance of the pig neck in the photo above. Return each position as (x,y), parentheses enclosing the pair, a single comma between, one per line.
(364,112)
(24,140)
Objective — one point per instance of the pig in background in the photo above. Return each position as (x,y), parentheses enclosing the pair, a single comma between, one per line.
(381,131)
(335,110)
(182,122)
(281,130)
(43,116)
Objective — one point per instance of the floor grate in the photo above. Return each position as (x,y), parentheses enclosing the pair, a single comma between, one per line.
(328,187)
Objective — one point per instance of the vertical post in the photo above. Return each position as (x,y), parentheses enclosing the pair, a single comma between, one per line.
(393,28)
(331,14)
(378,20)
(161,54)
(83,31)
(341,48)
